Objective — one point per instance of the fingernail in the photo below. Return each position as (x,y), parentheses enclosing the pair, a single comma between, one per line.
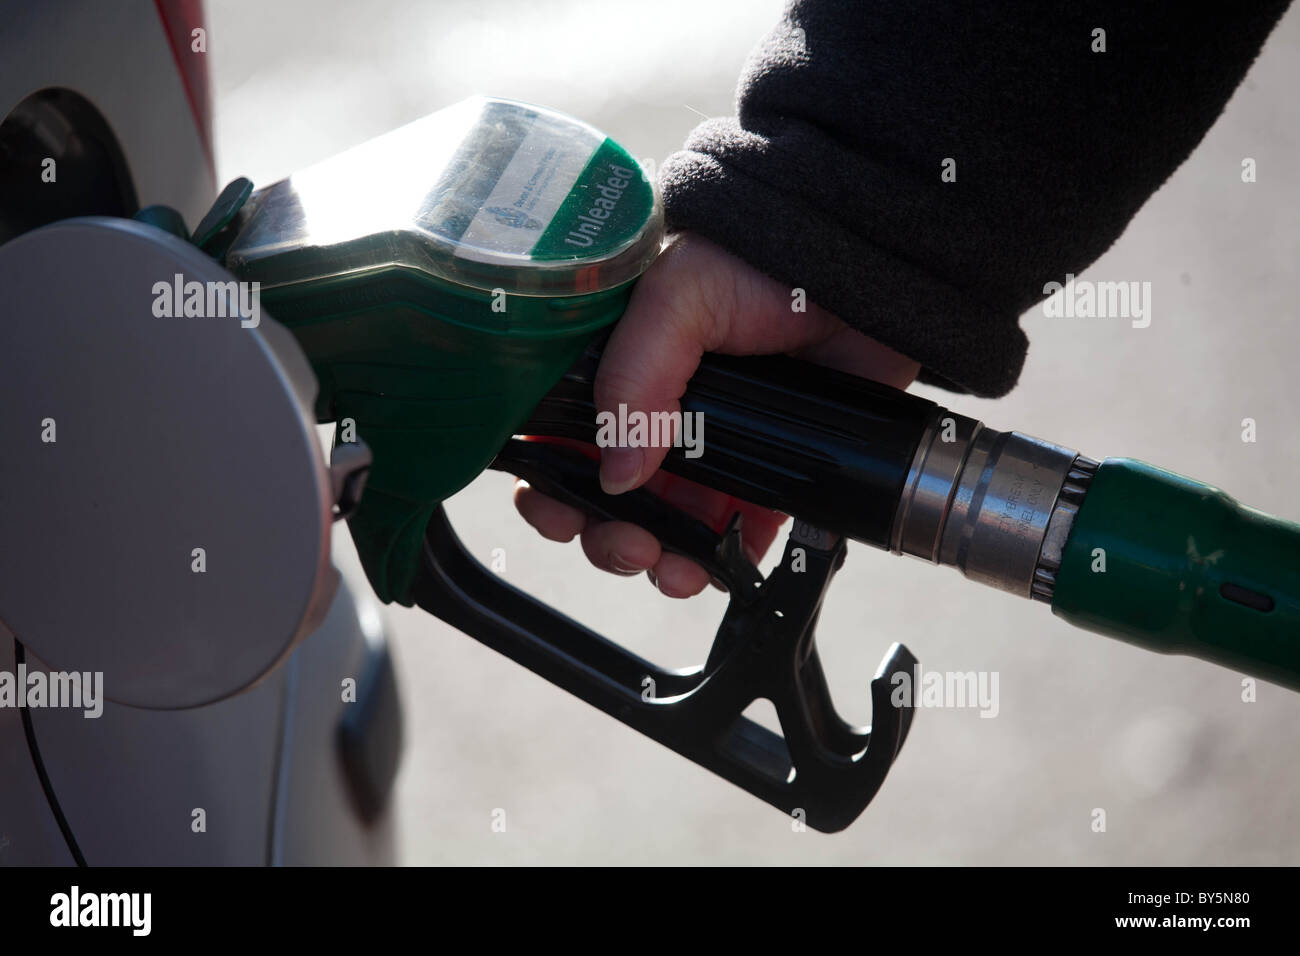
(653,580)
(619,469)
(622,565)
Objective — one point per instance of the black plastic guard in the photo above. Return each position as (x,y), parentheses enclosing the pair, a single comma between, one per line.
(821,768)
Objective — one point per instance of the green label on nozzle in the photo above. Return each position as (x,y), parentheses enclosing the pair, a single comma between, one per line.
(607,208)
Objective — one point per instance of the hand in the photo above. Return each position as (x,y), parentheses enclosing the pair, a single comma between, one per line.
(695,298)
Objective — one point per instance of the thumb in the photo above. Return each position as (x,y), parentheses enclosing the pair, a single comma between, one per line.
(696,298)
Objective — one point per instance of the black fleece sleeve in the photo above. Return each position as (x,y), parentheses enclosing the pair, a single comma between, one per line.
(830,177)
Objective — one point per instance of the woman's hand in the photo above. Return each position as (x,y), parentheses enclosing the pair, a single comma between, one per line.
(695,298)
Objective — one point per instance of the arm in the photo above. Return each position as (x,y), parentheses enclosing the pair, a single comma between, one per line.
(830,177)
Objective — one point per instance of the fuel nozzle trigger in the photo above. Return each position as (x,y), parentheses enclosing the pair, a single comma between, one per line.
(820,768)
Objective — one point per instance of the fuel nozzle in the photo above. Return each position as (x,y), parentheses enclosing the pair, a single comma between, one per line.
(440,278)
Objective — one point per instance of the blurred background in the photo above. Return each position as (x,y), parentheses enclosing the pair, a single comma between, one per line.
(1186,771)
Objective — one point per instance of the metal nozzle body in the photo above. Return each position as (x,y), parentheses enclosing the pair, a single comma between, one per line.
(998,506)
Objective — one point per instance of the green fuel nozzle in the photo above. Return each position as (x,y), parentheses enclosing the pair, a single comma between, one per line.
(441,278)
(450,283)
(445,278)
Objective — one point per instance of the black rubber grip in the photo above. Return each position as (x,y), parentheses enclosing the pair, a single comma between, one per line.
(821,445)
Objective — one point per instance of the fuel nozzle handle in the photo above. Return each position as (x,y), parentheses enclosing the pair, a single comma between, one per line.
(873,463)
(830,448)
(1118,547)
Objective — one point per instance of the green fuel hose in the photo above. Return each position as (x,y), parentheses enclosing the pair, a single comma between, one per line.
(1179,567)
